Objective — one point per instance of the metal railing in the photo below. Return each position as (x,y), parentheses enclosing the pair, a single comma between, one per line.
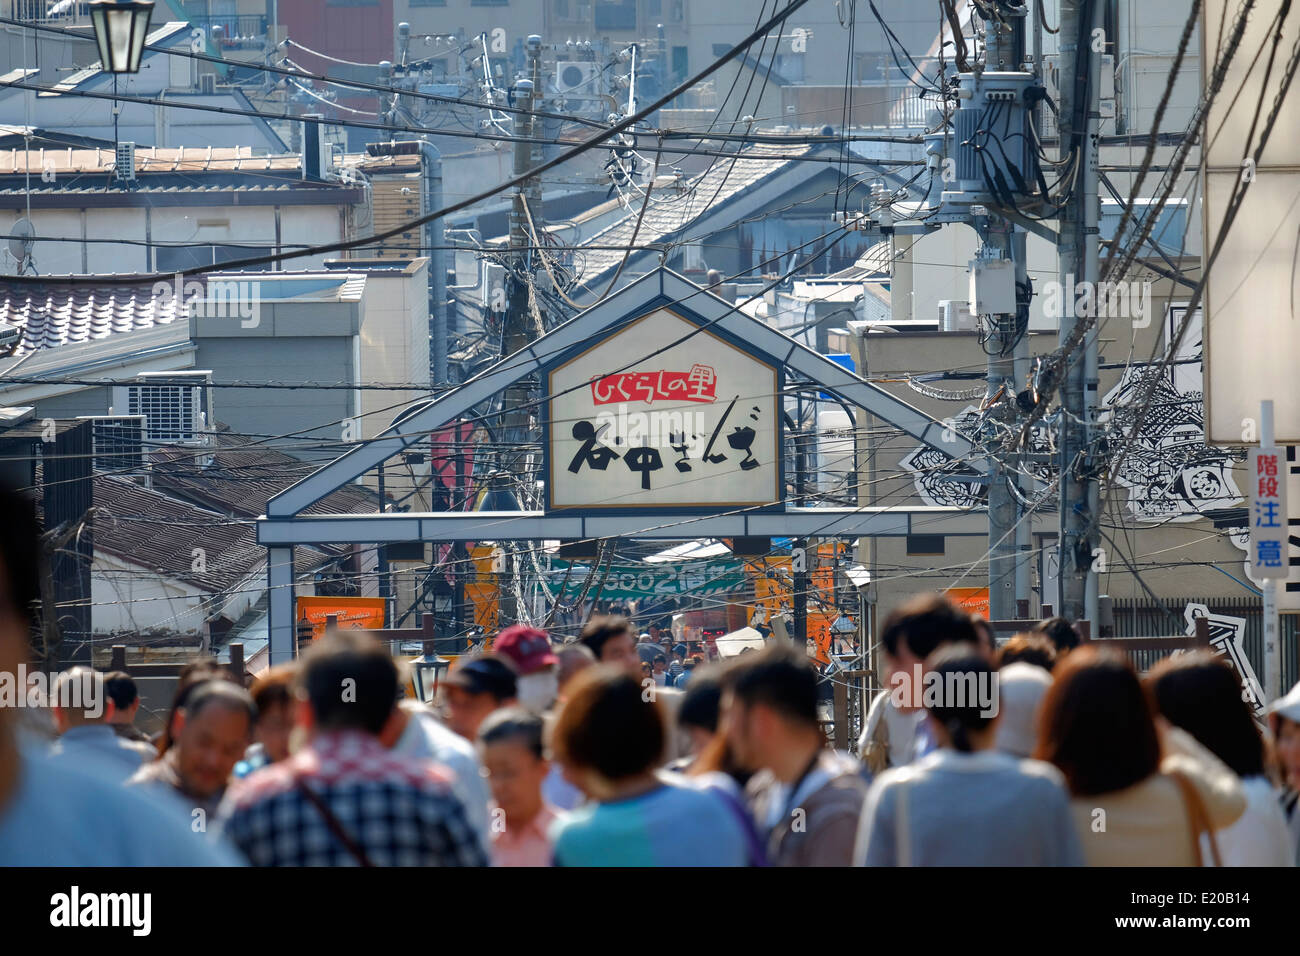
(42,11)
(1141,617)
(236,27)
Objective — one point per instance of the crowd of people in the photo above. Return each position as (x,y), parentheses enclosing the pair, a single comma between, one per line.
(1043,751)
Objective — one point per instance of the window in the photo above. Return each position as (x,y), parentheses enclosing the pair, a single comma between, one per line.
(924,544)
(615,14)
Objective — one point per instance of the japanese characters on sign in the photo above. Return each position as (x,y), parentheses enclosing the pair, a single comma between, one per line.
(1269,534)
(693,424)
(631,581)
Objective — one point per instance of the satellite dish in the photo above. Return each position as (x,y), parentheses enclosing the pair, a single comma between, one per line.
(22,237)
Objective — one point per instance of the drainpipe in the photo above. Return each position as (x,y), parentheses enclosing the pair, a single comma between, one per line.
(431,161)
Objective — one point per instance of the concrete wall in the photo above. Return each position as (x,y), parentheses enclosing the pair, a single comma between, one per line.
(82,241)
(312,416)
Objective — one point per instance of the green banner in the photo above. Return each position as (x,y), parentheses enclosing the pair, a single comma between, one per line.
(678,579)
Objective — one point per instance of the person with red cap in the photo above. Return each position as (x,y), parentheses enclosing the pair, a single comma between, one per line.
(529,649)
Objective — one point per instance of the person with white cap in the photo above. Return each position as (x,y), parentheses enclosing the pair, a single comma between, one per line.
(1021,689)
(1284,721)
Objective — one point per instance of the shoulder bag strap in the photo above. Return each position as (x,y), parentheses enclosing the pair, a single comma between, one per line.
(333,823)
(1199,819)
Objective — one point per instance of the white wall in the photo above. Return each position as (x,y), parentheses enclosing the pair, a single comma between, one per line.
(130,597)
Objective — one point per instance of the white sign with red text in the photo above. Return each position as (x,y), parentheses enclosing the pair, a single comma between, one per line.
(634,424)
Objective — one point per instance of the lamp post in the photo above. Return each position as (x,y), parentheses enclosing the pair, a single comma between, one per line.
(120,30)
(121,27)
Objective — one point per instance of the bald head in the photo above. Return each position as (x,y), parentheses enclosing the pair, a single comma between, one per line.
(573,658)
(79,699)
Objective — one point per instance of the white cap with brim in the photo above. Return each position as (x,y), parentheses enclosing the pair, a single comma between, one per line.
(1288,706)
(1021,689)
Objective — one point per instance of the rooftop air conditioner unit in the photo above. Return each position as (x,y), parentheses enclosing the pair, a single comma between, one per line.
(124,166)
(577,77)
(174,405)
(118,446)
(955,316)
(208,84)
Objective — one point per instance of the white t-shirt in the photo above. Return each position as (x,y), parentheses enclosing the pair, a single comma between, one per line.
(901,729)
(1259,837)
(426,738)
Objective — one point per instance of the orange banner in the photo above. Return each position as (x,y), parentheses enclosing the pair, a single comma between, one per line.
(353,613)
(972,600)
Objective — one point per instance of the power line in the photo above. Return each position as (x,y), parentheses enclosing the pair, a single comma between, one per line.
(513,182)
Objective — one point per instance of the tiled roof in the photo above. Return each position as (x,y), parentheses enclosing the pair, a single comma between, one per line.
(243,476)
(150,529)
(62,314)
(148,159)
(666,219)
(210,507)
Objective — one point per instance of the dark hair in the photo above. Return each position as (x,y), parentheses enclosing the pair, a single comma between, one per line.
(925,623)
(983,632)
(1200,693)
(779,678)
(607,725)
(1096,724)
(1031,649)
(1060,632)
(274,688)
(513,723)
(221,693)
(963,712)
(349,655)
(598,631)
(701,704)
(660,657)
(121,690)
(20,554)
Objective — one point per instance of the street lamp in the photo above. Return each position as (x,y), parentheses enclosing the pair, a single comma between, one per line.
(426,671)
(120,30)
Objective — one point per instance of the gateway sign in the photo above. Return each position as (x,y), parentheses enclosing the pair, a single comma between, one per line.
(633,424)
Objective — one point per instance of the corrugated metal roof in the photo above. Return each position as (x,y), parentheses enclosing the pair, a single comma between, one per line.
(665,219)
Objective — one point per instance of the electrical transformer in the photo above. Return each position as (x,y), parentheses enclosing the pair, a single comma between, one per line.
(994,149)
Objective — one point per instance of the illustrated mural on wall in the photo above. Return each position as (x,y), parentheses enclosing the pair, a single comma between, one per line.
(941,484)
(1169,472)
(1228,638)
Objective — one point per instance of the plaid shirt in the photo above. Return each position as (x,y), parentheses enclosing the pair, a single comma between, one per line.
(401,812)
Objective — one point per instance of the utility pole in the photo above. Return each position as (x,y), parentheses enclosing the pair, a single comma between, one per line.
(1004,52)
(517,330)
(802,548)
(1077,263)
